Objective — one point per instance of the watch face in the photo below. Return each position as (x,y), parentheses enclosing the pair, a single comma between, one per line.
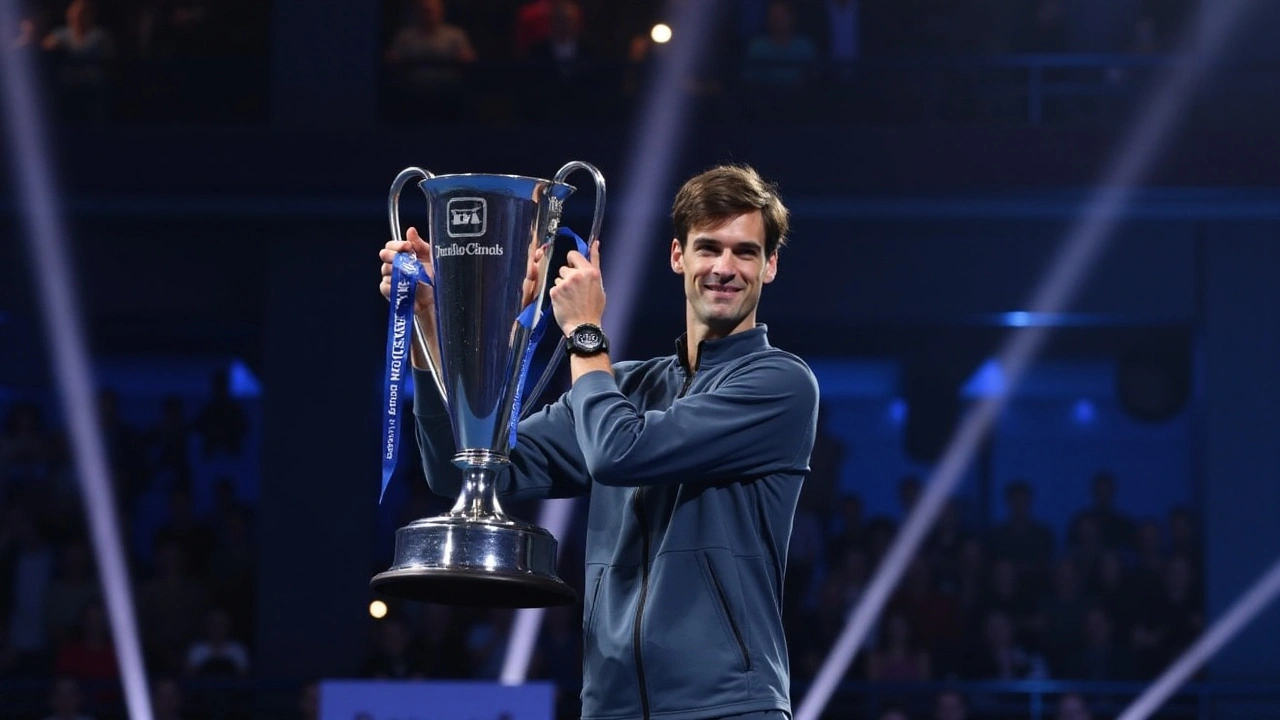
(587,338)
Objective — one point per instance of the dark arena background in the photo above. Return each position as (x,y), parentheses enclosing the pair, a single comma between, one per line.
(1034,264)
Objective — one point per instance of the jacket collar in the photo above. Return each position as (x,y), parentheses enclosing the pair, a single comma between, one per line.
(717,352)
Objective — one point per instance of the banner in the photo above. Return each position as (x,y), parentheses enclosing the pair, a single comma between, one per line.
(432,700)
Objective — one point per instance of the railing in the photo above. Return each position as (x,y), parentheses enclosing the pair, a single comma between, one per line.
(1024,700)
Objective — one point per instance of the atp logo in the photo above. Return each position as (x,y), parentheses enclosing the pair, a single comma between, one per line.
(467,216)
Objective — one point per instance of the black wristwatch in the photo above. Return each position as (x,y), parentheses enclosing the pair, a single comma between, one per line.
(587,340)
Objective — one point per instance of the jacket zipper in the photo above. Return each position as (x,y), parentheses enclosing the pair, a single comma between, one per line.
(733,624)
(638,506)
(644,593)
(688,380)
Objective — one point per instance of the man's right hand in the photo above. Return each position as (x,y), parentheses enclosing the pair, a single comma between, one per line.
(424,300)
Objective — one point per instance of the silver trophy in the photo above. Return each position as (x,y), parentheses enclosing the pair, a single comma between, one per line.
(483,230)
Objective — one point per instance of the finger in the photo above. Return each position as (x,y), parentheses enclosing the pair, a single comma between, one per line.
(576,259)
(565,271)
(595,254)
(386,271)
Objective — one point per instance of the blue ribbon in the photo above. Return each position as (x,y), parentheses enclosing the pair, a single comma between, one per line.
(526,320)
(406,273)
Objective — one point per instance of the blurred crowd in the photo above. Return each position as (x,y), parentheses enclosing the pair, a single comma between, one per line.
(1006,598)
(1114,598)
(520,61)
(180,486)
(150,61)
(582,60)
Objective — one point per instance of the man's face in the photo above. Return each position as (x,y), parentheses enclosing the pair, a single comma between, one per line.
(724,267)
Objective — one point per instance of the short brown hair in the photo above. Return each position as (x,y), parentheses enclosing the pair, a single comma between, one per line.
(724,192)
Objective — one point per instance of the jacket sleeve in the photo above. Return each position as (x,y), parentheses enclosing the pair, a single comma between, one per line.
(759,421)
(546,462)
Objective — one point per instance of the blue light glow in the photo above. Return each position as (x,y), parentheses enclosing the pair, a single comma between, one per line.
(898,411)
(987,381)
(1084,412)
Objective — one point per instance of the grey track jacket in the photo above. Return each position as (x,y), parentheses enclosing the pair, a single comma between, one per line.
(693,480)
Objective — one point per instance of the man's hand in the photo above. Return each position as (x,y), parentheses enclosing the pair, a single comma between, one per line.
(578,294)
(424,300)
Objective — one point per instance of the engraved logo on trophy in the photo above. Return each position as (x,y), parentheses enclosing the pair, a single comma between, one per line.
(466,217)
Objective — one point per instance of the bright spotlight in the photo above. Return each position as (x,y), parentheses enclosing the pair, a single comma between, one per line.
(377,609)
(660,33)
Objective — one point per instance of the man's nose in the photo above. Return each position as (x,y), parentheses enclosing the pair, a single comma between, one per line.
(723,266)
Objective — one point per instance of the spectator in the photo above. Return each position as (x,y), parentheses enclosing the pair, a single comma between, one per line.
(193,536)
(898,658)
(1100,658)
(1116,529)
(1183,539)
(395,656)
(950,705)
(233,573)
(1063,614)
(126,448)
(169,607)
(90,654)
(1172,623)
(1000,656)
(25,441)
(166,700)
(84,51)
(217,655)
(426,57)
(222,423)
(564,71)
(66,700)
(73,590)
(1072,707)
(1160,23)
(169,443)
(780,58)
(26,570)
(1021,539)
(947,539)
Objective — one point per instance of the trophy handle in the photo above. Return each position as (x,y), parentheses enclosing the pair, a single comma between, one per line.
(597,220)
(393,210)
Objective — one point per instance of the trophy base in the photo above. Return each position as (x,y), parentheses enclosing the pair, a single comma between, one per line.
(480,563)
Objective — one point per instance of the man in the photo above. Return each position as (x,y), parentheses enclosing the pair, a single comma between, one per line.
(693,463)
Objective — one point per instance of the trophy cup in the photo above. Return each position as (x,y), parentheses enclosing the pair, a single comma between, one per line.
(482,230)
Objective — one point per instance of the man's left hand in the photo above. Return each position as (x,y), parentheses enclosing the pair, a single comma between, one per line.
(578,294)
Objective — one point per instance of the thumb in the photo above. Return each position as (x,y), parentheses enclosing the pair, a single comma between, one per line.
(595,253)
(416,243)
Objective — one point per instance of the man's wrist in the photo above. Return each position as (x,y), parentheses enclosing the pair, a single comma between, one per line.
(568,328)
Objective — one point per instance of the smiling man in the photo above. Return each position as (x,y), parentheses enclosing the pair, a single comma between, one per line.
(693,463)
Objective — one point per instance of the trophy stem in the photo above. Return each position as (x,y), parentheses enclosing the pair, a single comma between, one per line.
(479,497)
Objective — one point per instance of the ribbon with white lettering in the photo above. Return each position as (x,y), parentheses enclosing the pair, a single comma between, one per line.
(526,320)
(406,273)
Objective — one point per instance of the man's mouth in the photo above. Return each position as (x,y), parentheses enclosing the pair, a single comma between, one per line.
(722,288)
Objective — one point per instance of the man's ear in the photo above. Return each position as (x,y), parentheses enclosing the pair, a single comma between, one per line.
(771,268)
(677,257)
